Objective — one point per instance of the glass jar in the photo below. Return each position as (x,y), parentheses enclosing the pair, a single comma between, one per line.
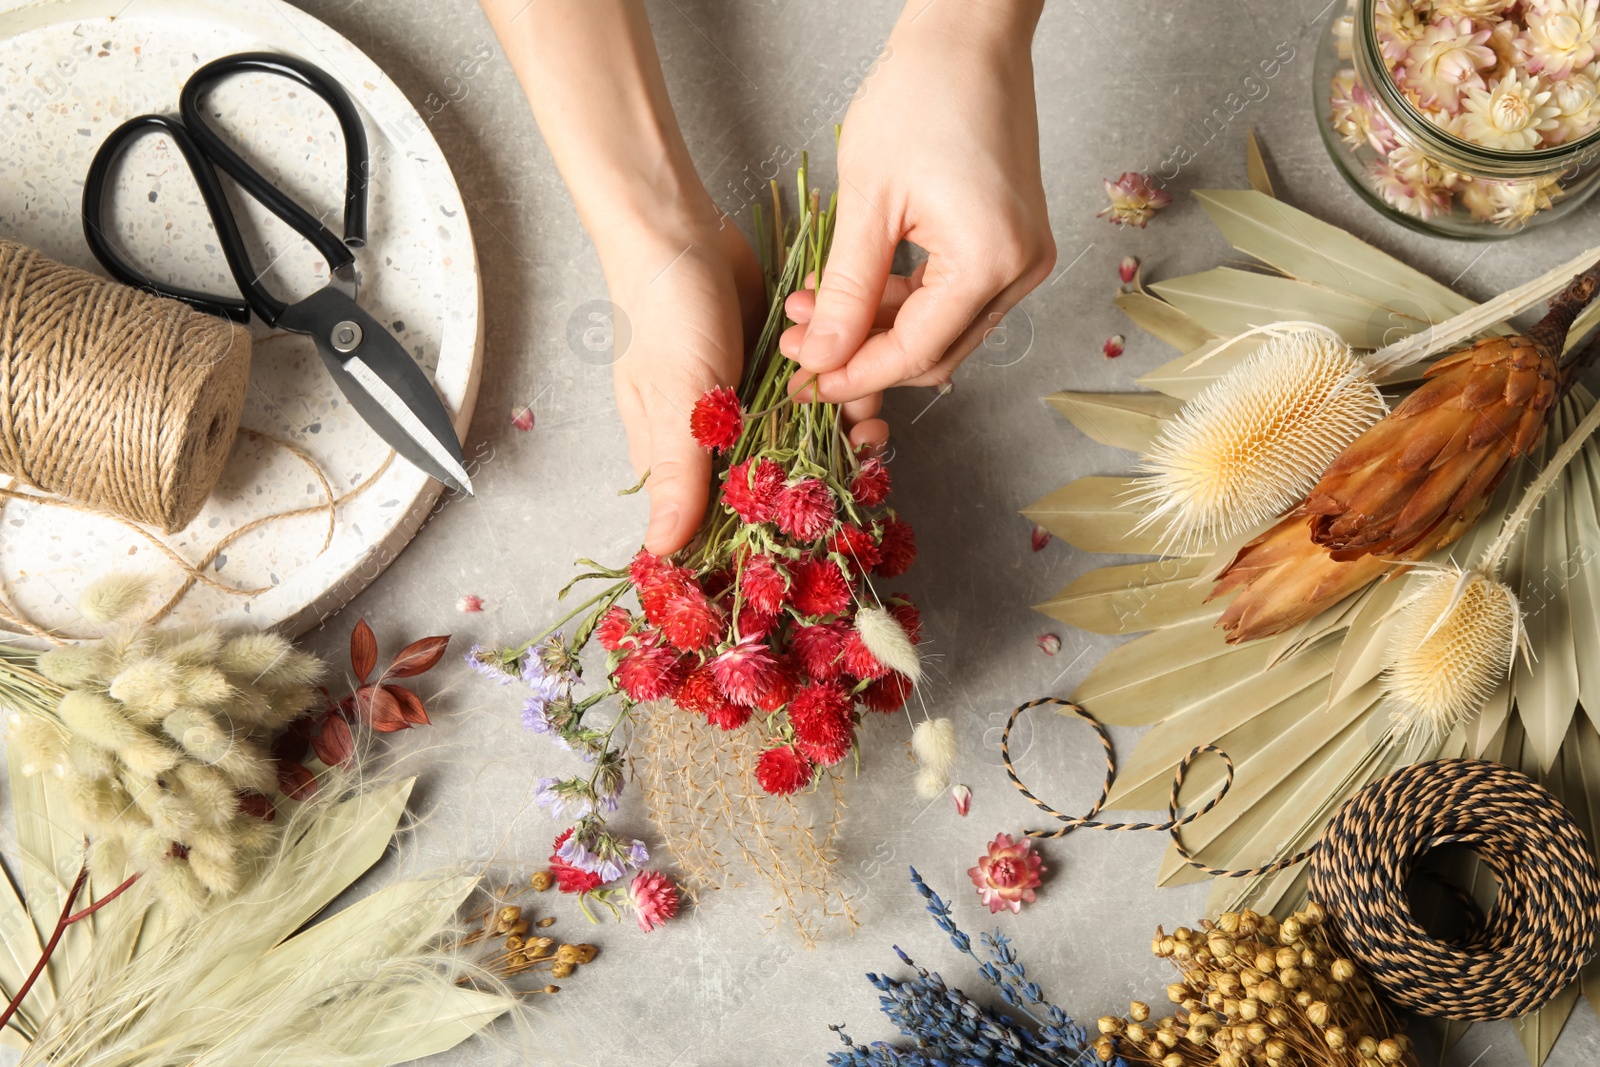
(1429,178)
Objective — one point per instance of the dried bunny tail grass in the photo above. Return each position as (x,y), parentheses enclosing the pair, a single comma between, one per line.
(1255,441)
(382,981)
(115,597)
(933,743)
(886,639)
(1452,645)
(725,831)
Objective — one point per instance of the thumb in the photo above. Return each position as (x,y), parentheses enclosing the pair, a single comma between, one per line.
(852,286)
(680,471)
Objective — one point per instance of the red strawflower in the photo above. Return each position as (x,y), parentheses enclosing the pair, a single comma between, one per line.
(612,629)
(899,547)
(570,879)
(818,587)
(689,621)
(747,671)
(654,897)
(701,694)
(855,545)
(751,489)
(782,771)
(870,486)
(717,420)
(656,581)
(907,615)
(777,694)
(888,693)
(805,510)
(649,672)
(753,623)
(820,648)
(858,660)
(820,715)
(763,584)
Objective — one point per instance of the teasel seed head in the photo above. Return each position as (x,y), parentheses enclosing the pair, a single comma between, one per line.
(1452,645)
(1257,439)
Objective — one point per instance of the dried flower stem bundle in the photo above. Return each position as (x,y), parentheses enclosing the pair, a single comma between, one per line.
(724,830)
(1254,992)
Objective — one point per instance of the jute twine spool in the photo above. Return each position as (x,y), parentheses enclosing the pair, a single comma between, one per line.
(117,399)
(1534,941)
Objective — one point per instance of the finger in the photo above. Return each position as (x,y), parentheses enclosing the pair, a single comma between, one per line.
(802,303)
(869,433)
(679,472)
(989,319)
(948,308)
(852,285)
(861,410)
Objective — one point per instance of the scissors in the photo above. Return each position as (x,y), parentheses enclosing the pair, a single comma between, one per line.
(381,381)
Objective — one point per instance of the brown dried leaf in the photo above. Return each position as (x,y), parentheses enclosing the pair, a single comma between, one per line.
(418,656)
(410,705)
(381,709)
(333,743)
(363,650)
(296,781)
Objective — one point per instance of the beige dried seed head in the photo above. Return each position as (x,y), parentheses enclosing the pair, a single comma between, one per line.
(1451,647)
(1257,439)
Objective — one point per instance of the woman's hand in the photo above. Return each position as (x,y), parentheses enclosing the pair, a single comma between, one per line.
(941,148)
(692,299)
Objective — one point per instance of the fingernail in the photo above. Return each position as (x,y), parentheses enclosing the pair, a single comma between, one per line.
(821,340)
(663,522)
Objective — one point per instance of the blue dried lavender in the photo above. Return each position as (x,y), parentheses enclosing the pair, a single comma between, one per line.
(949,1029)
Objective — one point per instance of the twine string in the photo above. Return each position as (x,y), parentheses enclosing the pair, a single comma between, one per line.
(1530,945)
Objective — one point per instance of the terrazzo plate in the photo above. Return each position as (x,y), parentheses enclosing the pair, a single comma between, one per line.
(70,72)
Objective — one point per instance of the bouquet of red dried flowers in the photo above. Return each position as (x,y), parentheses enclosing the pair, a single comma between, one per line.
(771,620)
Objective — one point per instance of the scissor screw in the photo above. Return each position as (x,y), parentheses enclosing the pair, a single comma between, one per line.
(346,336)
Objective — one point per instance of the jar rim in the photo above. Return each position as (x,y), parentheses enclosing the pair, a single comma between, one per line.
(1440,141)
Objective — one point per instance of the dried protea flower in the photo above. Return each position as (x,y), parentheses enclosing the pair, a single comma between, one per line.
(1284,578)
(1452,645)
(1134,200)
(1252,444)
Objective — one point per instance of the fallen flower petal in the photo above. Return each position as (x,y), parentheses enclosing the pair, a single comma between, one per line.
(1128,269)
(1039,537)
(470,604)
(963,798)
(1114,346)
(523,419)
(1134,200)
(1049,644)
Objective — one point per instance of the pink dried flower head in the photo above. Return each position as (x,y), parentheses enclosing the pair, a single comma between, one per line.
(1038,537)
(717,419)
(856,547)
(763,584)
(963,798)
(522,418)
(1007,876)
(1356,119)
(654,897)
(470,604)
(612,629)
(1115,345)
(818,587)
(782,771)
(1577,100)
(657,581)
(753,621)
(1509,117)
(870,486)
(700,692)
(804,510)
(778,690)
(820,716)
(819,648)
(751,489)
(1560,36)
(1446,61)
(1406,195)
(648,673)
(858,659)
(898,544)
(1134,200)
(1469,9)
(1128,269)
(747,671)
(1398,28)
(888,693)
(1505,39)
(1509,204)
(1049,644)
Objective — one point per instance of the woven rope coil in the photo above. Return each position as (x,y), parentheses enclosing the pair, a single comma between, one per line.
(1535,939)
(1538,935)
(111,397)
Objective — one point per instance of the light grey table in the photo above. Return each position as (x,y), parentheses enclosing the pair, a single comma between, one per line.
(1119,86)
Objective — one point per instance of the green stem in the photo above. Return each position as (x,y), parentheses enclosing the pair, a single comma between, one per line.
(613,592)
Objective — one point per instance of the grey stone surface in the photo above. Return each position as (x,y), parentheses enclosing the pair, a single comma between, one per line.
(1119,86)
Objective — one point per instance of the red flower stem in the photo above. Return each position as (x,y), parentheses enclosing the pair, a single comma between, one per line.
(50,947)
(103,901)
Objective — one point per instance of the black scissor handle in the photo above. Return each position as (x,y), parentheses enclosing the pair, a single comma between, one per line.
(111,257)
(336,252)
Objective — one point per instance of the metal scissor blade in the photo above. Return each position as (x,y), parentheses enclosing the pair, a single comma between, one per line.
(383,384)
